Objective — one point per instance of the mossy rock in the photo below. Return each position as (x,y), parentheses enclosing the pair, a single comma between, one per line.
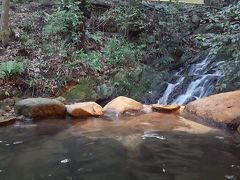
(136,82)
(105,91)
(84,91)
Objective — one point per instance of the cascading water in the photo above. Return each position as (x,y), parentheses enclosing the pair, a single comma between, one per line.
(193,82)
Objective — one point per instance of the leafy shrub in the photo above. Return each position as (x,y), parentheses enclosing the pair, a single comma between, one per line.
(119,51)
(11,68)
(48,48)
(127,18)
(228,19)
(64,21)
(97,37)
(27,41)
(93,59)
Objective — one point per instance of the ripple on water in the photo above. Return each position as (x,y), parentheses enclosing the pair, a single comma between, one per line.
(64,161)
(219,137)
(17,142)
(153,135)
(229,177)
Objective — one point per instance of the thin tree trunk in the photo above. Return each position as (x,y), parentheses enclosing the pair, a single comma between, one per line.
(4,22)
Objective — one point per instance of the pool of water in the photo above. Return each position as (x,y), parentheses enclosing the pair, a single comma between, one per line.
(100,149)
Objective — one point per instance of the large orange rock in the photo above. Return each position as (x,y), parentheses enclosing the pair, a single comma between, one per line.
(122,104)
(40,108)
(165,108)
(223,109)
(84,109)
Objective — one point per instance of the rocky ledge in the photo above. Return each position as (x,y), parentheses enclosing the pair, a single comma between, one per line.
(221,109)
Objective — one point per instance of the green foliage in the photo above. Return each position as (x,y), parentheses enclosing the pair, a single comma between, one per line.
(11,68)
(96,36)
(34,81)
(27,41)
(229,33)
(225,43)
(93,59)
(119,51)
(48,48)
(127,18)
(64,22)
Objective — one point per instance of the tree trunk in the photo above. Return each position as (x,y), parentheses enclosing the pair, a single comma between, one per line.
(4,22)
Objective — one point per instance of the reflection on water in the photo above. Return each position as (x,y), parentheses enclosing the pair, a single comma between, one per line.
(65,150)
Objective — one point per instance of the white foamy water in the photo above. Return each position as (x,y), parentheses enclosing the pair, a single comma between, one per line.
(200,77)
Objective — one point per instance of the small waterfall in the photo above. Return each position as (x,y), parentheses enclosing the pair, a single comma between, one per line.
(193,82)
(170,88)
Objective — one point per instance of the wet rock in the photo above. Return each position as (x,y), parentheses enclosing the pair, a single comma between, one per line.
(165,108)
(40,108)
(147,108)
(5,122)
(122,104)
(84,109)
(221,109)
(10,120)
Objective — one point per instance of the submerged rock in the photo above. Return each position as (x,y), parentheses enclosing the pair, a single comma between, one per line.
(221,109)
(40,108)
(84,109)
(122,104)
(159,107)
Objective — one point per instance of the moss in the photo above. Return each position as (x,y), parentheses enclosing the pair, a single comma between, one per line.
(136,82)
(84,91)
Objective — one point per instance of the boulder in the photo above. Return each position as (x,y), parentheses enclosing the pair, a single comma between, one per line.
(84,109)
(165,108)
(220,109)
(122,104)
(40,108)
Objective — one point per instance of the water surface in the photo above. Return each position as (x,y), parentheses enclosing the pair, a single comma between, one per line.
(132,148)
